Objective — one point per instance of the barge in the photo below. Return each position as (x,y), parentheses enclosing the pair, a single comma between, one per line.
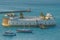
(24,31)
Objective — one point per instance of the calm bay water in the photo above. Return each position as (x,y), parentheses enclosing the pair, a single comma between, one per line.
(38,34)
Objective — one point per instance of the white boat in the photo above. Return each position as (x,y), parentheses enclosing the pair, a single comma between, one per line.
(9,33)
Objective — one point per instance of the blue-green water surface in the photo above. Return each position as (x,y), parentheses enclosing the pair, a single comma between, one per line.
(52,33)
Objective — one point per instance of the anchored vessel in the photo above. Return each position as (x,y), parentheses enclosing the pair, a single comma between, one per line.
(9,33)
(40,21)
(24,31)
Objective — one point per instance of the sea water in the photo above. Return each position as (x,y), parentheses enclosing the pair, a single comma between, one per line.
(52,33)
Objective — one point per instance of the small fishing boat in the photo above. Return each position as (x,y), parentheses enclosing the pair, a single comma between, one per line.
(24,31)
(9,33)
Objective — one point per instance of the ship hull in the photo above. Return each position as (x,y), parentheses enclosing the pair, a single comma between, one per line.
(30,25)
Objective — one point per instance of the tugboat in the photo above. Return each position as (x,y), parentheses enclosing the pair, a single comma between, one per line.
(9,33)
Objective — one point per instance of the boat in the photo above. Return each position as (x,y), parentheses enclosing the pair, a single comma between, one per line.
(21,20)
(9,33)
(24,31)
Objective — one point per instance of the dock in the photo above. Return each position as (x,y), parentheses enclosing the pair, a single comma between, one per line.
(3,12)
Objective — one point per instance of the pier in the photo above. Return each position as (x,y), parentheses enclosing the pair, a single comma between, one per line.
(3,12)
